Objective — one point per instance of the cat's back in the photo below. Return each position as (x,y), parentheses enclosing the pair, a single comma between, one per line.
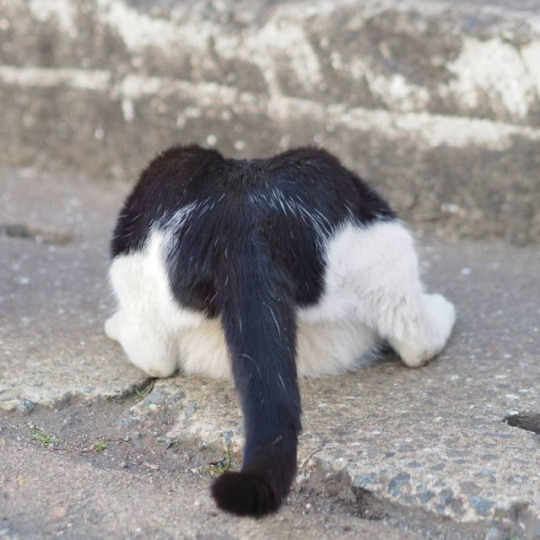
(184,175)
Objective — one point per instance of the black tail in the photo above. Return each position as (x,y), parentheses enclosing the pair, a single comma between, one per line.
(258,316)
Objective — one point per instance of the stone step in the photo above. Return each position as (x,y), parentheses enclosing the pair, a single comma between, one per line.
(436,103)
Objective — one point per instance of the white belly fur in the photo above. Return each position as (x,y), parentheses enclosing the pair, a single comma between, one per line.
(322,349)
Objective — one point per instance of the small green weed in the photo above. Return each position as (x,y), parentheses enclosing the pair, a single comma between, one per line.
(100,446)
(43,436)
(141,393)
(218,467)
(97,446)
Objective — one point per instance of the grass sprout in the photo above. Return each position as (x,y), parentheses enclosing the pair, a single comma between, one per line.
(43,436)
(215,468)
(100,446)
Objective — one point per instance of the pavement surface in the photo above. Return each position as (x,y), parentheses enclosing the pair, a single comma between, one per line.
(91,447)
(437,102)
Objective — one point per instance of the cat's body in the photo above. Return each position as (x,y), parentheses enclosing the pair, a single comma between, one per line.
(265,269)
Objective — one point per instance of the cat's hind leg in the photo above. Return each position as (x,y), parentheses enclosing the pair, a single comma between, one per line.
(378,266)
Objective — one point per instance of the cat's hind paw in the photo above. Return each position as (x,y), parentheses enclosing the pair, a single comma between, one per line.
(441,315)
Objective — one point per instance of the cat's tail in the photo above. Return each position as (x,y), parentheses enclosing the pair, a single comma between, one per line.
(258,317)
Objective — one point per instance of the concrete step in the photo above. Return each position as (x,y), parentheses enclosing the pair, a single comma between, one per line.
(436,103)
(427,446)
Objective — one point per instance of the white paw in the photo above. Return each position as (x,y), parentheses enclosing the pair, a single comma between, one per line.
(112,326)
(441,315)
(150,351)
(440,319)
(412,355)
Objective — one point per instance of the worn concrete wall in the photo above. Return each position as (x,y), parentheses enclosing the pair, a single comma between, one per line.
(437,104)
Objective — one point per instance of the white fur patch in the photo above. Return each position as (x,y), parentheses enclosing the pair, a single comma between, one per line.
(148,319)
(372,292)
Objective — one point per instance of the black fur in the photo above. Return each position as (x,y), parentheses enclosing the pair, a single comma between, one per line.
(243,257)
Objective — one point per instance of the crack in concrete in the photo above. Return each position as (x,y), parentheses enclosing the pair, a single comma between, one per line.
(36,233)
(529,421)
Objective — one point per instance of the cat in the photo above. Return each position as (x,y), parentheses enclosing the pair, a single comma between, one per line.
(265,270)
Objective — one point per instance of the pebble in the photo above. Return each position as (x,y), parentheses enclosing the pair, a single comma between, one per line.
(395,485)
(156,398)
(496,534)
(481,505)
(165,440)
(128,421)
(363,481)
(25,406)
(426,496)
(57,512)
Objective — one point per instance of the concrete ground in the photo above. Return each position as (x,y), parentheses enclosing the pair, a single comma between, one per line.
(90,447)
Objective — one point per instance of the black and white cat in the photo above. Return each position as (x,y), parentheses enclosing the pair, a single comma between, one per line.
(266,270)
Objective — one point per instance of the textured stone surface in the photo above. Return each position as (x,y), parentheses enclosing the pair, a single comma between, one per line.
(436,102)
(431,441)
